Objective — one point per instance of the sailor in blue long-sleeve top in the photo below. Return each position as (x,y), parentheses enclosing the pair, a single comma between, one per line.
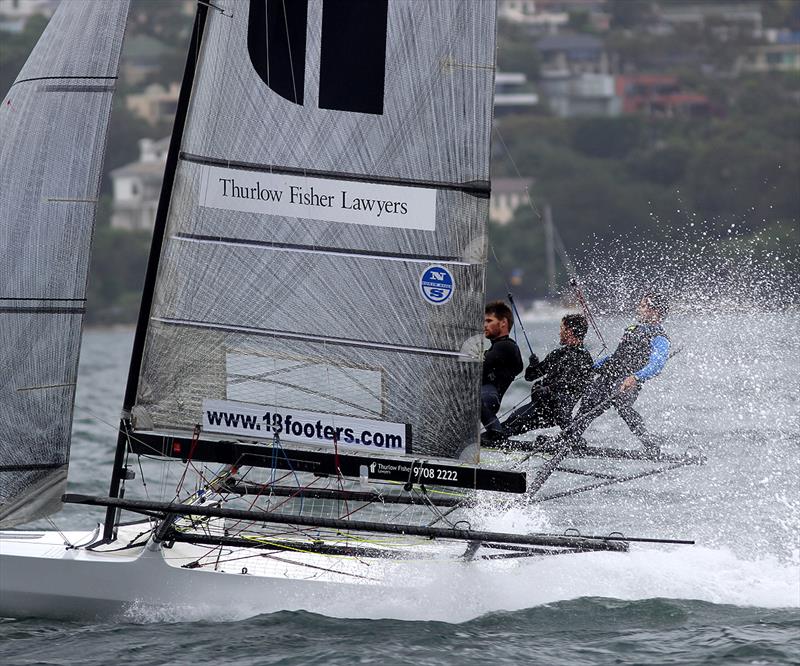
(640,355)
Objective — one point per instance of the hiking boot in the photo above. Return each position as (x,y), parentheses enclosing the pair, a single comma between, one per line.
(578,445)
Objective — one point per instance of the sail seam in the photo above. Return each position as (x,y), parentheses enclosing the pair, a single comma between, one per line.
(313,338)
(296,247)
(479,188)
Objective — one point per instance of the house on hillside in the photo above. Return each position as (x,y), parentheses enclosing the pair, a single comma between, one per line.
(725,20)
(660,95)
(532,14)
(508,194)
(780,54)
(156,104)
(563,55)
(24,9)
(137,187)
(582,95)
(512,94)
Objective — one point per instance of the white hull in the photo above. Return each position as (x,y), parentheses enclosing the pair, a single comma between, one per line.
(41,577)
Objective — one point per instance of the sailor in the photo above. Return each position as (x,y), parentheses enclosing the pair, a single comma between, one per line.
(563,376)
(501,363)
(639,356)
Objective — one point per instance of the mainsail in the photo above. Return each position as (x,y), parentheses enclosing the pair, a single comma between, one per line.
(323,262)
(53,125)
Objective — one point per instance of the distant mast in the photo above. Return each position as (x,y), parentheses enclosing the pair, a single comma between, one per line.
(53,125)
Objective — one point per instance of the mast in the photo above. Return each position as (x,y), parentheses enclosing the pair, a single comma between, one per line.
(118,471)
(550,250)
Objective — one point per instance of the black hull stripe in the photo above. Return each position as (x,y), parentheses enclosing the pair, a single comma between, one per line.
(478,188)
(323,250)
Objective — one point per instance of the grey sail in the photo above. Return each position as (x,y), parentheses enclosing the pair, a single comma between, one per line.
(325,245)
(53,124)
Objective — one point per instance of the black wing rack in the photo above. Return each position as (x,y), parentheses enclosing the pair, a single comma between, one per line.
(375,468)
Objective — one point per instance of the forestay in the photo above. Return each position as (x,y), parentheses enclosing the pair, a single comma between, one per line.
(323,265)
(53,125)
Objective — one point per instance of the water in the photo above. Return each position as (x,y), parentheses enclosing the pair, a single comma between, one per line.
(732,598)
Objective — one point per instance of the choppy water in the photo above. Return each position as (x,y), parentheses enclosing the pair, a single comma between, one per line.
(732,598)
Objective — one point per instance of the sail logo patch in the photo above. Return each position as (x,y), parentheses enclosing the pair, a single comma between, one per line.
(253,422)
(312,198)
(436,285)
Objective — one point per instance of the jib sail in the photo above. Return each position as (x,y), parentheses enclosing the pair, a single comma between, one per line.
(323,262)
(53,125)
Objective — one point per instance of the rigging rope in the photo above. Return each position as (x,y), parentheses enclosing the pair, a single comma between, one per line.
(587,312)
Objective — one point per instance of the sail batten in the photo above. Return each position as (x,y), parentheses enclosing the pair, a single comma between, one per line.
(349,342)
(53,124)
(342,229)
(477,187)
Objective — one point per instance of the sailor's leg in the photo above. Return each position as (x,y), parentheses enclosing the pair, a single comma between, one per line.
(635,422)
(596,400)
(490,404)
(518,421)
(528,417)
(632,418)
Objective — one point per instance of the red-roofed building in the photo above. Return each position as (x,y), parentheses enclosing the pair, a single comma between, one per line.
(659,95)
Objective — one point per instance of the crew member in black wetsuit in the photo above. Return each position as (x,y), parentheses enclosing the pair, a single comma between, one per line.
(501,363)
(564,374)
(639,356)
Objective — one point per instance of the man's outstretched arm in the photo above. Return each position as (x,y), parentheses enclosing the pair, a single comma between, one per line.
(659,353)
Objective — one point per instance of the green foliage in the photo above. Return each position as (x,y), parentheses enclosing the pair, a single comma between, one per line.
(606,137)
(119,260)
(637,179)
(519,247)
(15,49)
(662,165)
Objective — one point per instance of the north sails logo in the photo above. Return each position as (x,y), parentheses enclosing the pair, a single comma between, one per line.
(352,51)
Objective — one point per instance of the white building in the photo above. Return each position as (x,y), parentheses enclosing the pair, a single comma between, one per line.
(156,104)
(512,93)
(527,13)
(24,9)
(137,187)
(583,94)
(508,194)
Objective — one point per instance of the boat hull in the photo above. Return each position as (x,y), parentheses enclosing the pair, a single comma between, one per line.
(40,576)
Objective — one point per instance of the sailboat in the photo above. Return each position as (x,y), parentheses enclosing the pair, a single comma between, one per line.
(306,366)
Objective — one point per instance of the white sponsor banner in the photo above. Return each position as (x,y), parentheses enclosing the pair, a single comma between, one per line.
(262,422)
(326,199)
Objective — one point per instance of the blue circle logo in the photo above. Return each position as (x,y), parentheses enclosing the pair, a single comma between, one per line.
(436,285)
